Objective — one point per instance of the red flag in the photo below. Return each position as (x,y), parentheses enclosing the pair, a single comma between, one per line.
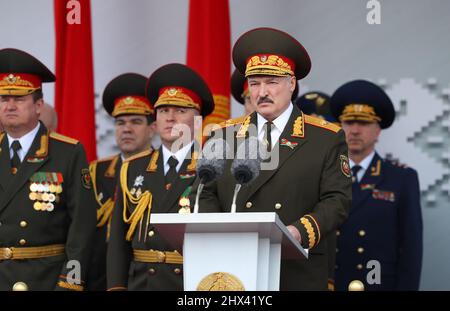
(74,89)
(209,51)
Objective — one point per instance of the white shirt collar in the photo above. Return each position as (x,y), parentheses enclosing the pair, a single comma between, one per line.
(365,163)
(279,124)
(180,155)
(25,142)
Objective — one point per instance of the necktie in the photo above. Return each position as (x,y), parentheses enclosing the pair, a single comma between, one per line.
(15,160)
(172,174)
(355,170)
(267,135)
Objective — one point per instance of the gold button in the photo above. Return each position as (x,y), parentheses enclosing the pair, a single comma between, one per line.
(360,250)
(337,250)
(151,233)
(356,286)
(278,206)
(362,233)
(359,267)
(20,287)
(177,270)
(248,204)
(7,253)
(338,233)
(22,242)
(23,224)
(151,271)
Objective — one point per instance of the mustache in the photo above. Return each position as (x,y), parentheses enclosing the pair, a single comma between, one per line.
(264,99)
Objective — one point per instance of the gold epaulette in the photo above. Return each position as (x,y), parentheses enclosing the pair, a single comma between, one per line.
(2,134)
(63,138)
(139,155)
(232,122)
(110,158)
(321,123)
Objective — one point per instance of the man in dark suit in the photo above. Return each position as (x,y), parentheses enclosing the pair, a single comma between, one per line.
(158,181)
(124,99)
(47,207)
(310,188)
(380,245)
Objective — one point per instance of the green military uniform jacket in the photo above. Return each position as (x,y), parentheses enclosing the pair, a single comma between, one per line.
(64,217)
(105,175)
(143,175)
(310,189)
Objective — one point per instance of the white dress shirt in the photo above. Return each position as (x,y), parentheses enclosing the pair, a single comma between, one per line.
(278,125)
(25,142)
(364,165)
(180,155)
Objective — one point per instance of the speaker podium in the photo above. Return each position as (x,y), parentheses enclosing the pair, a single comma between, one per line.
(229,251)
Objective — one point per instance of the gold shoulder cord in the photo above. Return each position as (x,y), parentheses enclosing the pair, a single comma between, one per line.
(143,203)
(106,209)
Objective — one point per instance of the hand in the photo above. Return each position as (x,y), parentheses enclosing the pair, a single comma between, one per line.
(295,233)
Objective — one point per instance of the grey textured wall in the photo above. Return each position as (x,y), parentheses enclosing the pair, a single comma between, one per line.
(408,53)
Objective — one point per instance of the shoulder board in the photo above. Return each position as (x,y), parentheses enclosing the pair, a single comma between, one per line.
(139,155)
(396,163)
(2,134)
(321,123)
(63,138)
(107,159)
(232,122)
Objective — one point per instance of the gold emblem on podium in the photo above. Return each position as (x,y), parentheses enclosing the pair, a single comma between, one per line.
(220,281)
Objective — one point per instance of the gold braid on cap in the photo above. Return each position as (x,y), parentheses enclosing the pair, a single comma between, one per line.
(359,112)
(273,65)
(178,96)
(131,105)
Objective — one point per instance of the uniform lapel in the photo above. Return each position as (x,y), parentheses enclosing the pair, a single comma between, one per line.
(5,162)
(33,161)
(156,180)
(371,179)
(186,176)
(290,141)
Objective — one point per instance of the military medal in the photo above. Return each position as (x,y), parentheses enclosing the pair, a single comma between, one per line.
(37,206)
(52,188)
(184,202)
(51,197)
(43,187)
(184,210)
(50,207)
(33,187)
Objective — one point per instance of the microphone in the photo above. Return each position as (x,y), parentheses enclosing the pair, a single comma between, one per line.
(245,167)
(210,165)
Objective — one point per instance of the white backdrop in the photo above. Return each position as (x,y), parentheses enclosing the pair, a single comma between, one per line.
(407,53)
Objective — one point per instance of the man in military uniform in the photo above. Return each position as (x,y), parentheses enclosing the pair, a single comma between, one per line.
(47,207)
(317,104)
(310,189)
(240,92)
(124,99)
(383,234)
(158,181)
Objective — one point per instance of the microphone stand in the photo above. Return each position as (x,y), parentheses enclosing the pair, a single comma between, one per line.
(236,190)
(197,197)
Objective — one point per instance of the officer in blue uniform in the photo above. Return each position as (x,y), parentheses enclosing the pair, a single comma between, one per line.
(379,247)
